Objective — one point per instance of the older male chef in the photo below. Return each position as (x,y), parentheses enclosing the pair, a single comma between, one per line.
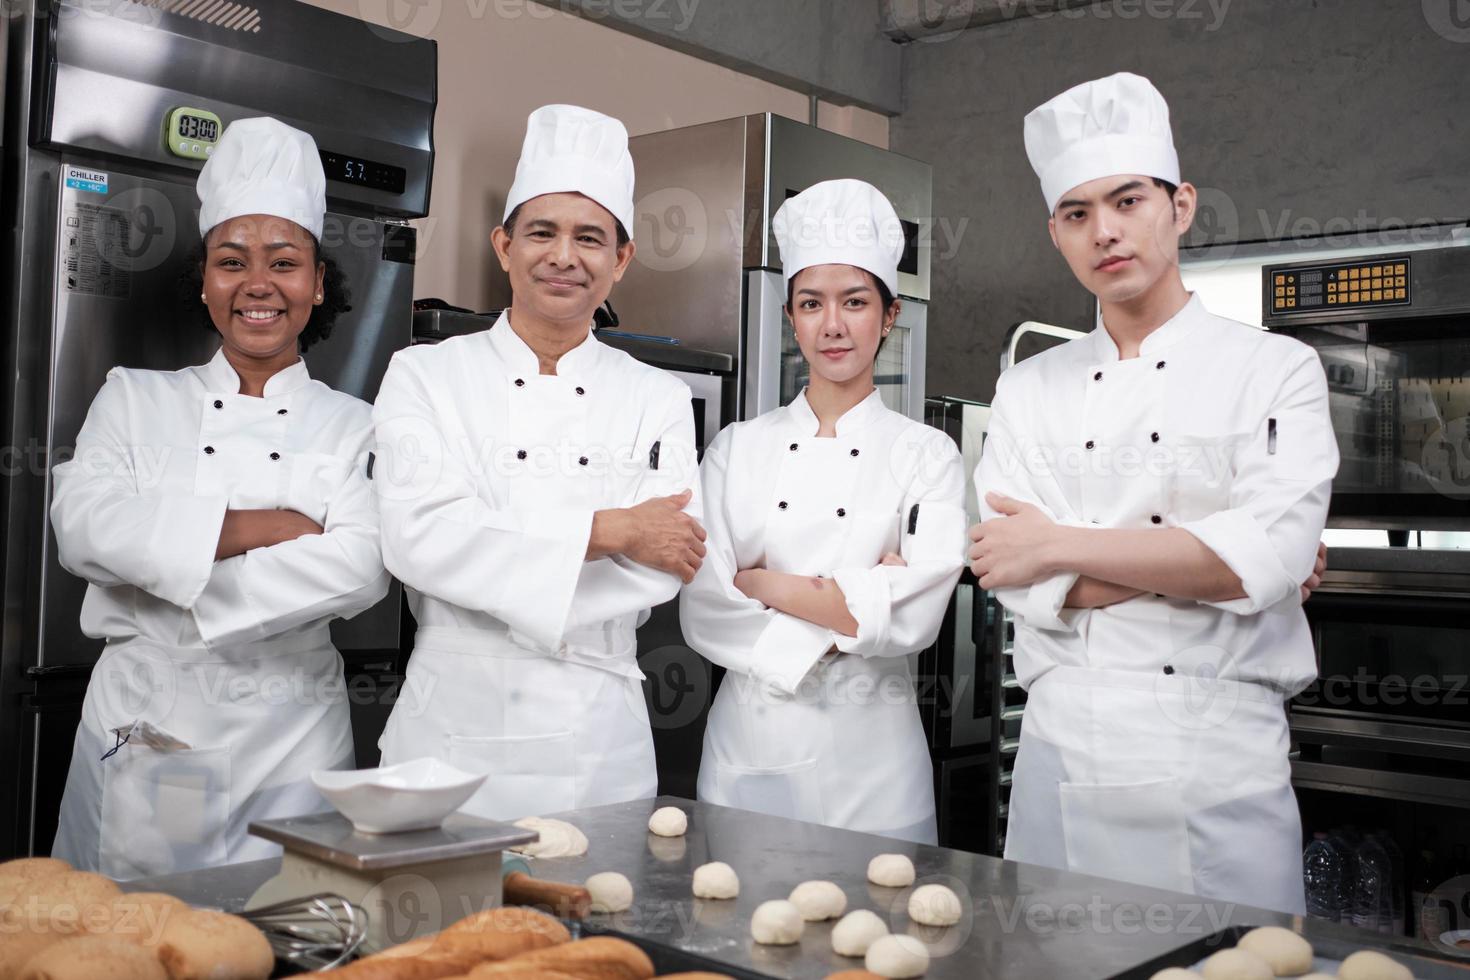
(536,490)
(1156,492)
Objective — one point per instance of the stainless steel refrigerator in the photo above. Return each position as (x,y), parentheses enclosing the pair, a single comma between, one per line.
(110,112)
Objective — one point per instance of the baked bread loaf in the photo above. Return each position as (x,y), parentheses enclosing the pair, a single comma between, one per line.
(140,917)
(598,958)
(204,945)
(91,957)
(33,867)
(67,903)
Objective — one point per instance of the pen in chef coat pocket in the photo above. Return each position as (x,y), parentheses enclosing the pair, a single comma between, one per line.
(1270,437)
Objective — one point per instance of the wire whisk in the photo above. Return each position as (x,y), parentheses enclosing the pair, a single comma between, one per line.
(317,932)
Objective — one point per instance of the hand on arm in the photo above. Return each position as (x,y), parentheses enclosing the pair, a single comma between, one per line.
(246,530)
(1024,545)
(810,597)
(656,533)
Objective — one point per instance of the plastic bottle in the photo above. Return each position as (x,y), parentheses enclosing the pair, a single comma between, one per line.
(1347,849)
(1398,881)
(1322,868)
(1373,890)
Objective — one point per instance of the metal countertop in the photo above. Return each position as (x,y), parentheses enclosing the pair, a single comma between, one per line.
(1020,920)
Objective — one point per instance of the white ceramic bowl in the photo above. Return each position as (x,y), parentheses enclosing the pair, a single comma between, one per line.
(413,795)
(1451,941)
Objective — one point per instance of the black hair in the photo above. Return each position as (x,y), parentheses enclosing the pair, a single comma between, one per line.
(1169,189)
(509,224)
(886,299)
(336,297)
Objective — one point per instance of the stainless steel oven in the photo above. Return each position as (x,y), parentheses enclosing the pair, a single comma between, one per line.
(1382,738)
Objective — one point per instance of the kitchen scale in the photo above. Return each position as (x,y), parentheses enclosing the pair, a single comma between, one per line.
(410,884)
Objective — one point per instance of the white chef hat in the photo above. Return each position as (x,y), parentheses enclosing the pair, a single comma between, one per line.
(571,149)
(840,222)
(263,166)
(1114,125)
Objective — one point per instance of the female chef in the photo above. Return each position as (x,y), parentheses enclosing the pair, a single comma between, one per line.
(836,534)
(223,517)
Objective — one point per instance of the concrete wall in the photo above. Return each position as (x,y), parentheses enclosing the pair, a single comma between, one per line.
(1294,117)
(498,60)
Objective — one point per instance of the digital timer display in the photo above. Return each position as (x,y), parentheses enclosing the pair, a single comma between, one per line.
(198,128)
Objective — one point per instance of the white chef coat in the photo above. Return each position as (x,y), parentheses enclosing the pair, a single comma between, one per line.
(524,664)
(1154,744)
(794,732)
(227,664)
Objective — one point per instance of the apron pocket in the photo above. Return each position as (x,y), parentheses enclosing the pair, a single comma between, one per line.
(1134,832)
(793,790)
(164,811)
(530,775)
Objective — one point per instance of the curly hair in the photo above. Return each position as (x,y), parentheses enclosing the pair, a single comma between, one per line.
(336,297)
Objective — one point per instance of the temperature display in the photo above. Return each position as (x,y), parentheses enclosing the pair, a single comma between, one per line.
(364,172)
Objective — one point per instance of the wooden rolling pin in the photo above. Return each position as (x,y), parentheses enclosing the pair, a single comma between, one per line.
(565,901)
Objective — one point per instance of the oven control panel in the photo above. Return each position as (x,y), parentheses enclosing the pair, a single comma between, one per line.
(1337,285)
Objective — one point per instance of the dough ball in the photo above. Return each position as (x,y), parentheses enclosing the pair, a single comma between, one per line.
(856,931)
(934,905)
(1175,973)
(668,821)
(611,892)
(716,880)
(1285,952)
(776,923)
(205,945)
(897,956)
(1236,964)
(818,900)
(1365,964)
(29,868)
(90,957)
(558,838)
(891,870)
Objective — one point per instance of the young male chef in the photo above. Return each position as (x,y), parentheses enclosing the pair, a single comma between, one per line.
(1155,494)
(536,491)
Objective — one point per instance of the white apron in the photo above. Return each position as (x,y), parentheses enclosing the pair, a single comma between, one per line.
(524,664)
(1179,782)
(222,673)
(226,742)
(795,731)
(554,733)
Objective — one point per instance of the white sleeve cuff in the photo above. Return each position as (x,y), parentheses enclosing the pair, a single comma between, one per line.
(549,579)
(224,613)
(786,650)
(870,601)
(183,548)
(1242,544)
(1041,605)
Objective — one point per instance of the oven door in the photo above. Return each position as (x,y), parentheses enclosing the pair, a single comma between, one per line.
(1390,712)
